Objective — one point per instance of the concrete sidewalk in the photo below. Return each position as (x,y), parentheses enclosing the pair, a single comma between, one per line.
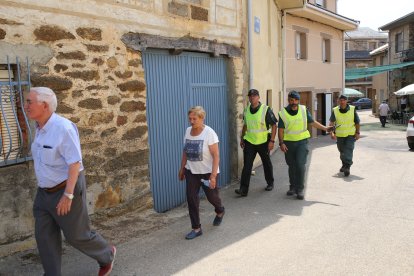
(360,225)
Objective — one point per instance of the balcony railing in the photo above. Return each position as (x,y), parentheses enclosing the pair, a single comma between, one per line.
(407,55)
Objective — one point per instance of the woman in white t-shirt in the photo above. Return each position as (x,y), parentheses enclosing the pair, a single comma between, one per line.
(200,168)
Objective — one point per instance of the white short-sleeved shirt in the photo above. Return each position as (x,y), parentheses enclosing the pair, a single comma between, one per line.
(383,109)
(54,148)
(199,158)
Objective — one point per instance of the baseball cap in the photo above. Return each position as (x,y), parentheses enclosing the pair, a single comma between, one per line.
(253,92)
(343,97)
(294,95)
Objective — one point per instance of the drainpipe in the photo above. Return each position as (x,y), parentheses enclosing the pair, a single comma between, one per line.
(249,41)
(283,98)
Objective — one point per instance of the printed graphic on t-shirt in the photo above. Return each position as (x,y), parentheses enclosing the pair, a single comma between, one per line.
(194,149)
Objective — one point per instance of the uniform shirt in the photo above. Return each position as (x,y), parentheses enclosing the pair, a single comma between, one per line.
(199,158)
(383,109)
(356,117)
(270,116)
(293,113)
(54,148)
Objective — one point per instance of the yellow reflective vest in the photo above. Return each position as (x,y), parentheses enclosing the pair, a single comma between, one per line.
(345,122)
(296,126)
(256,132)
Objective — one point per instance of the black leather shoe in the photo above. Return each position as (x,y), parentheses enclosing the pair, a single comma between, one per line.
(291,192)
(342,168)
(238,191)
(300,195)
(347,171)
(269,188)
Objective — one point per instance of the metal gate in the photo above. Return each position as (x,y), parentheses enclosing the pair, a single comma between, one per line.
(15,132)
(175,83)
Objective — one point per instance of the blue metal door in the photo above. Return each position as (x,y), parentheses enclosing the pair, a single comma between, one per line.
(175,83)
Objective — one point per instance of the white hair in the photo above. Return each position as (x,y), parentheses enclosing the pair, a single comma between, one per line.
(45,94)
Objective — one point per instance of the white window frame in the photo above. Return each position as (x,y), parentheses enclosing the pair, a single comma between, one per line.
(300,45)
(326,50)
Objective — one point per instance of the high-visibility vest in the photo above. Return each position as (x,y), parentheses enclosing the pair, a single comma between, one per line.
(256,132)
(296,126)
(345,122)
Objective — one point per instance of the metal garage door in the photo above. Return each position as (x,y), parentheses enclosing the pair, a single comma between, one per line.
(174,84)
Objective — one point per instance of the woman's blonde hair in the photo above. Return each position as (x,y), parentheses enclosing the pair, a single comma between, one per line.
(198,111)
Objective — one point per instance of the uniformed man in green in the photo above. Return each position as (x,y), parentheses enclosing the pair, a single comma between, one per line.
(256,139)
(346,121)
(293,141)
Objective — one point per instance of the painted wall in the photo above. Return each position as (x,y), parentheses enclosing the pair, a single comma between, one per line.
(75,48)
(313,72)
(267,52)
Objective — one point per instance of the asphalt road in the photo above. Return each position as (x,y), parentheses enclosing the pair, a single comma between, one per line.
(359,225)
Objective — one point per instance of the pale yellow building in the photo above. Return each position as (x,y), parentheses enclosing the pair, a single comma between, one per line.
(314,54)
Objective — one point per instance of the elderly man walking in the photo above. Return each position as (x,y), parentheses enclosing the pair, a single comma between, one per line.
(60,203)
(383,109)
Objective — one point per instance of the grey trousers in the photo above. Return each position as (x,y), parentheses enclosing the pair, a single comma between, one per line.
(75,226)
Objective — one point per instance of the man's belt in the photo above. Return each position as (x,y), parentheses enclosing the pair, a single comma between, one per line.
(56,188)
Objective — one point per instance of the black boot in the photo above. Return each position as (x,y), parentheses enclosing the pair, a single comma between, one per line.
(347,170)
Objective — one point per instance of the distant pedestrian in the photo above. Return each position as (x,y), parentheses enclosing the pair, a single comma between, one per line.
(255,139)
(346,121)
(403,103)
(200,168)
(293,141)
(60,203)
(383,109)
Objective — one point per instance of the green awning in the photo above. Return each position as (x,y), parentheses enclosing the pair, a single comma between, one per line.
(357,73)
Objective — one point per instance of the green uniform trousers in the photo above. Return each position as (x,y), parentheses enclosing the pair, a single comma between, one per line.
(296,157)
(346,149)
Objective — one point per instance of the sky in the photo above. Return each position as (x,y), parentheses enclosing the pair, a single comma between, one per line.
(375,13)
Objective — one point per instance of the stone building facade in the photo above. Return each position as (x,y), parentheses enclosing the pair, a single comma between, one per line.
(90,54)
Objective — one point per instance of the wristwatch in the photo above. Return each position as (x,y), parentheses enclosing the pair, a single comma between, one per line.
(70,196)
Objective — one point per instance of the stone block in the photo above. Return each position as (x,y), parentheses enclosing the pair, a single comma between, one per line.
(97,61)
(90,33)
(97,87)
(124,75)
(60,68)
(100,118)
(141,118)
(121,120)
(178,9)
(52,33)
(55,83)
(64,109)
(135,133)
(198,13)
(97,48)
(92,161)
(112,62)
(109,132)
(112,100)
(110,152)
(78,65)
(91,104)
(9,22)
(134,62)
(127,160)
(2,33)
(77,93)
(134,85)
(84,132)
(76,55)
(132,106)
(86,75)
